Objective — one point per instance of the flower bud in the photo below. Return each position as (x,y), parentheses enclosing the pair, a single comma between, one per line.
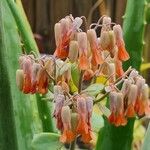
(66,116)
(112,40)
(112,71)
(73,51)
(140,82)
(132,94)
(104,40)
(145,93)
(106,24)
(82,42)
(117,31)
(83,51)
(81,105)
(42,81)
(57,31)
(120,103)
(125,87)
(74,121)
(92,37)
(133,74)
(59,101)
(113,101)
(57,90)
(64,26)
(35,69)
(89,105)
(49,66)
(88,74)
(20,78)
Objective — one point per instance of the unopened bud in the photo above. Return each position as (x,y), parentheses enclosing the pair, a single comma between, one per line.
(133,74)
(88,74)
(118,31)
(92,37)
(89,105)
(145,92)
(106,24)
(59,102)
(81,105)
(57,90)
(49,66)
(120,103)
(82,41)
(125,86)
(112,71)
(66,116)
(132,94)
(20,78)
(113,101)
(140,82)
(65,86)
(64,26)
(35,68)
(74,121)
(57,31)
(112,39)
(104,40)
(73,51)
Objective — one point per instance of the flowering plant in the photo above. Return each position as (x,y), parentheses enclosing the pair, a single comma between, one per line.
(85,68)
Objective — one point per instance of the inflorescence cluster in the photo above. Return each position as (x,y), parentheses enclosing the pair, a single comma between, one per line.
(94,57)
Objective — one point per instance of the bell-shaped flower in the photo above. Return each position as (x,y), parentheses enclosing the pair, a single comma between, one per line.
(67,134)
(96,53)
(83,51)
(122,53)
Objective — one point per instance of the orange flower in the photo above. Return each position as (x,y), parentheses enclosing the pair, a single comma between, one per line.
(117,116)
(42,81)
(88,74)
(96,53)
(62,37)
(119,69)
(67,135)
(83,127)
(35,68)
(83,59)
(132,96)
(59,102)
(142,102)
(27,67)
(122,53)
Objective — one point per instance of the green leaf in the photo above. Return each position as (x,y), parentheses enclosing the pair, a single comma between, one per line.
(23,26)
(146,144)
(30,45)
(97,122)
(94,89)
(75,74)
(46,141)
(19,118)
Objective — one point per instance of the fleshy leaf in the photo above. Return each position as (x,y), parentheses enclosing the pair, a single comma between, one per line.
(46,141)
(94,89)
(146,144)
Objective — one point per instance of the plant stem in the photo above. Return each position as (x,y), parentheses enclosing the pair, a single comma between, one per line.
(105,95)
(80,81)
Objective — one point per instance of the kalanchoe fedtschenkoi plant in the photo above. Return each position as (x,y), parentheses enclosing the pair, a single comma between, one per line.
(94,57)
